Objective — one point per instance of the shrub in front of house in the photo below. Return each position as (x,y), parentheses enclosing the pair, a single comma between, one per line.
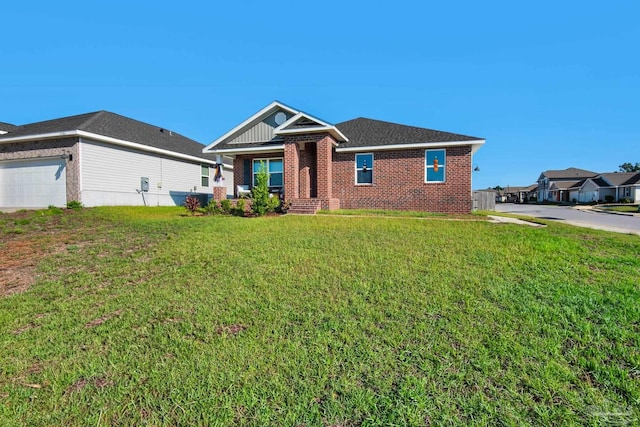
(213,208)
(75,205)
(192,204)
(226,206)
(239,209)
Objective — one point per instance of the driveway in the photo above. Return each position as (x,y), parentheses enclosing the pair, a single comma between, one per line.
(581,217)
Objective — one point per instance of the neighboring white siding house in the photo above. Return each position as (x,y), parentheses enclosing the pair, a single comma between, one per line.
(631,192)
(588,192)
(100,159)
(170,180)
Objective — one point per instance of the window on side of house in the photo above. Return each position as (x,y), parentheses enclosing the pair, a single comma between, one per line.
(204,172)
(435,165)
(364,168)
(275,169)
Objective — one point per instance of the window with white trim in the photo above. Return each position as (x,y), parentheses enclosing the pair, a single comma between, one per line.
(364,168)
(274,167)
(435,165)
(204,172)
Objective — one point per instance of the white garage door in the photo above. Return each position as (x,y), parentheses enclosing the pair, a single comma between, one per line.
(33,183)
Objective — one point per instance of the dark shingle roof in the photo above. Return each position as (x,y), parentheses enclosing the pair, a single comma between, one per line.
(7,127)
(564,185)
(635,179)
(116,126)
(600,182)
(363,132)
(618,178)
(576,184)
(569,173)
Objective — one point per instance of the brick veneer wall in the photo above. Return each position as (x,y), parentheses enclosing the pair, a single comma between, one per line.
(324,153)
(308,166)
(398,182)
(238,167)
(291,168)
(238,172)
(49,148)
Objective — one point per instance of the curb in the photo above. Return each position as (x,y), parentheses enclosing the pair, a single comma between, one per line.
(615,212)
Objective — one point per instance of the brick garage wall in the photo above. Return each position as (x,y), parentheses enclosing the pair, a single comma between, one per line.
(398,182)
(49,148)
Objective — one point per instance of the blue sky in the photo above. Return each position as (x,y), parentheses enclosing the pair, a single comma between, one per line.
(549,84)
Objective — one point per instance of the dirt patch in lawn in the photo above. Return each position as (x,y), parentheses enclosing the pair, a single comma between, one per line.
(25,238)
(100,320)
(17,262)
(230,329)
(100,382)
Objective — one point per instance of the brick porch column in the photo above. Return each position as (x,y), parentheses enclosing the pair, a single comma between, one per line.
(291,170)
(305,183)
(324,170)
(219,193)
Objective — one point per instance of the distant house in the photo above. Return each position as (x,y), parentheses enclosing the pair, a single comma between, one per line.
(614,186)
(555,185)
(102,158)
(359,163)
(514,194)
(630,189)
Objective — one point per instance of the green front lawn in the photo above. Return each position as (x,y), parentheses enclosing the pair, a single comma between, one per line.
(142,316)
(622,208)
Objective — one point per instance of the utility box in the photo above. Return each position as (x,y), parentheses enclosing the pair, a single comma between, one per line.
(144,184)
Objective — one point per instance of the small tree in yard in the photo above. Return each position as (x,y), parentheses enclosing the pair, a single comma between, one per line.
(260,193)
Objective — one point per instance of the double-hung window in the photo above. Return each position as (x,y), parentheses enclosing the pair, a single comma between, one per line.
(204,172)
(364,168)
(274,168)
(436,165)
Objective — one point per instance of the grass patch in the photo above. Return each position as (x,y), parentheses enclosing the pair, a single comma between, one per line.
(622,208)
(161,319)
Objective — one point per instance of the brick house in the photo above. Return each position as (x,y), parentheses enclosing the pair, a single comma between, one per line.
(360,163)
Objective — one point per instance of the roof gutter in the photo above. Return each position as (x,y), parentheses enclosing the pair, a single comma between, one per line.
(475,146)
(107,139)
(51,135)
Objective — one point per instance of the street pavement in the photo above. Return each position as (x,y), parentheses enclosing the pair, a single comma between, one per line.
(580,216)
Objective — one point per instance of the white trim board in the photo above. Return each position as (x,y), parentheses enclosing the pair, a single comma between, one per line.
(108,140)
(475,146)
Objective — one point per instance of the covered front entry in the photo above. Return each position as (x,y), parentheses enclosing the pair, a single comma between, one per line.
(308,172)
(33,183)
(279,135)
